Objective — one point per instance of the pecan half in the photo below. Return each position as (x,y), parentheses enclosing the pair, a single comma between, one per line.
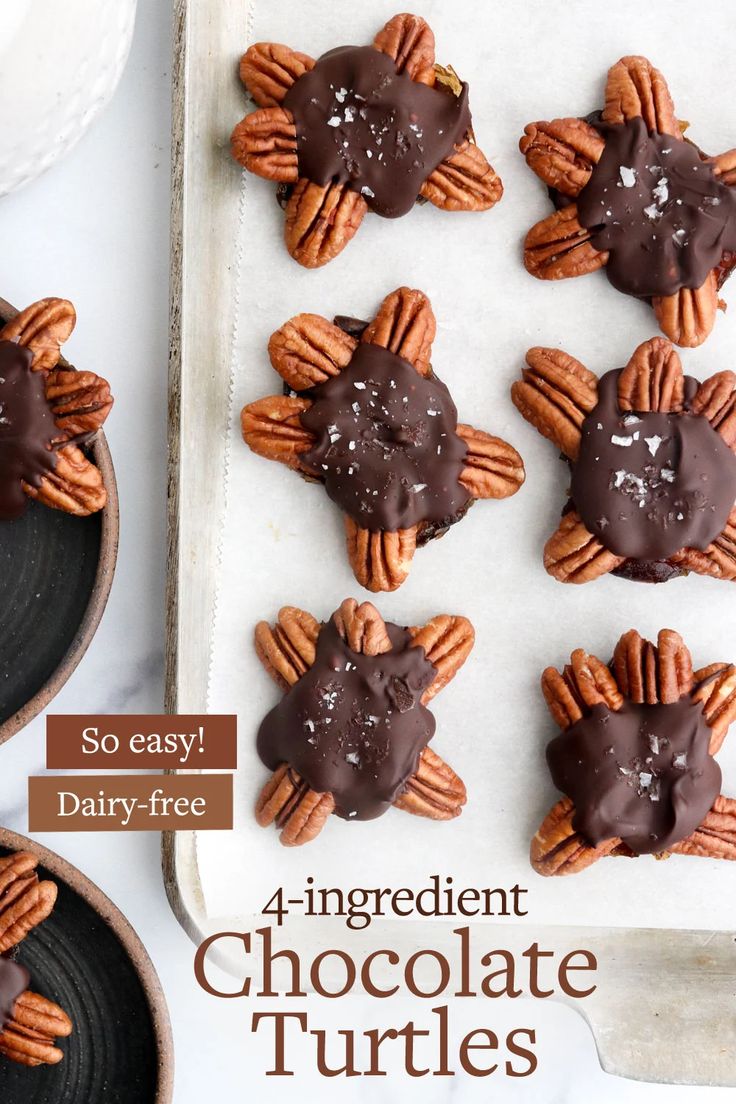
(405,325)
(574,555)
(493,468)
(80,401)
(716,689)
(635,88)
(688,316)
(308,350)
(362,627)
(593,681)
(43,328)
(409,40)
(715,838)
(434,790)
(447,641)
(715,399)
(24,901)
(561,698)
(380,560)
(288,802)
(556,394)
(30,1035)
(287,649)
(320,221)
(75,485)
(268,71)
(718,560)
(264,142)
(558,849)
(559,247)
(562,153)
(272,428)
(464,181)
(648,674)
(653,379)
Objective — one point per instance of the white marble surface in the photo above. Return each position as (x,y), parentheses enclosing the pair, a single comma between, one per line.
(95,229)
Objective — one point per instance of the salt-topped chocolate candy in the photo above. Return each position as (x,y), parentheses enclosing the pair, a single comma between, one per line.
(363,124)
(649,484)
(354,725)
(387,447)
(14,980)
(642,773)
(27,428)
(658,209)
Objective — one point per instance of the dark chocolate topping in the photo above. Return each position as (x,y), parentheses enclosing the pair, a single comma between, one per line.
(649,484)
(354,725)
(26,428)
(659,209)
(14,980)
(642,773)
(387,448)
(361,123)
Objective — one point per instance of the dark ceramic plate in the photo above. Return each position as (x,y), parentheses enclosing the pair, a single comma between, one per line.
(55,576)
(88,959)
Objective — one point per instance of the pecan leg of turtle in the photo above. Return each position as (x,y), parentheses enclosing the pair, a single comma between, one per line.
(380,559)
(287,649)
(29,1037)
(409,40)
(555,394)
(447,641)
(264,142)
(715,838)
(308,350)
(80,401)
(688,316)
(362,628)
(493,468)
(653,379)
(272,428)
(715,687)
(43,328)
(562,153)
(73,485)
(573,555)
(558,849)
(434,790)
(636,89)
(405,325)
(718,560)
(715,399)
(25,901)
(464,181)
(647,673)
(321,220)
(268,70)
(298,811)
(585,682)
(558,247)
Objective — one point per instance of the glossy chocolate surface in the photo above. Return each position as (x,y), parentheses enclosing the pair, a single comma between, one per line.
(362,124)
(642,773)
(354,725)
(658,209)
(652,483)
(387,448)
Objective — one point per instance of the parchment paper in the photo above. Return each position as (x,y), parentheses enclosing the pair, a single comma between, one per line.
(282,540)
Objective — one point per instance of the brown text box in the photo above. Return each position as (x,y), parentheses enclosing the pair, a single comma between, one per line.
(130,802)
(147,741)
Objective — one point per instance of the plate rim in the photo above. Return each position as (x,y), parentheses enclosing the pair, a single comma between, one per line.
(104,575)
(131,942)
